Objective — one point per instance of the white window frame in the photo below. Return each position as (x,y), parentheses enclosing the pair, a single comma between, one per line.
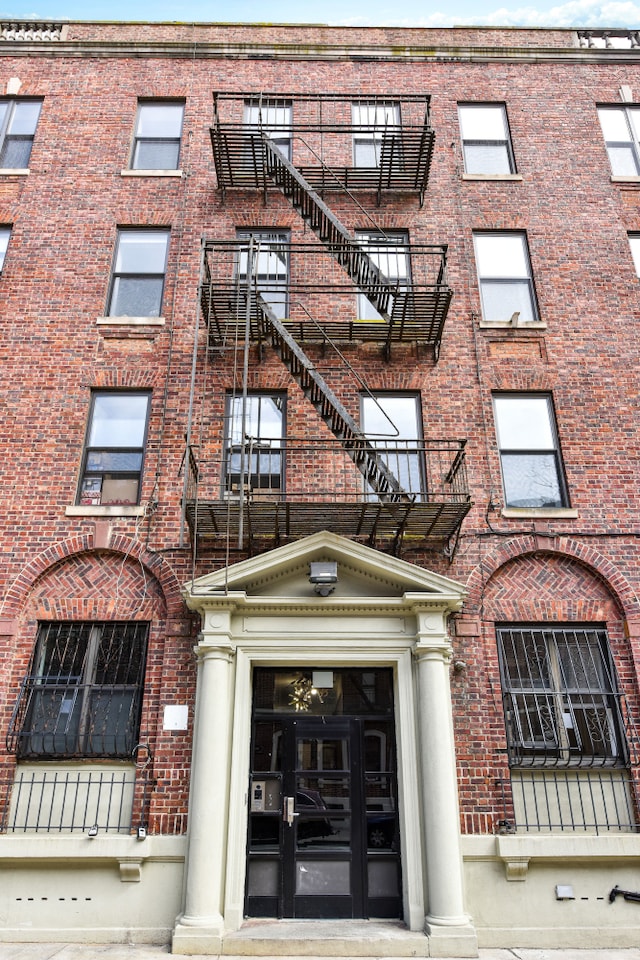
(140,258)
(274,118)
(634,244)
(151,129)
(5,236)
(371,120)
(18,123)
(505,277)
(621,131)
(254,445)
(486,139)
(270,266)
(389,251)
(527,439)
(393,424)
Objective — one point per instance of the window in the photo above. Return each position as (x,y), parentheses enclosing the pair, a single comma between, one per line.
(634,243)
(390,253)
(273,118)
(504,272)
(393,424)
(371,121)
(561,697)
(157,136)
(486,144)
(83,692)
(264,255)
(138,273)
(114,449)
(5,234)
(254,445)
(621,131)
(18,122)
(532,473)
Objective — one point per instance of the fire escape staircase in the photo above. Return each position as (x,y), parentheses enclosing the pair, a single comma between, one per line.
(344,248)
(361,451)
(384,490)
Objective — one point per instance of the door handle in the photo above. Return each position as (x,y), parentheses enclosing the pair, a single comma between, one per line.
(288,813)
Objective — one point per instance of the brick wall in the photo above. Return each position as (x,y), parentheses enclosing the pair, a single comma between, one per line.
(54,285)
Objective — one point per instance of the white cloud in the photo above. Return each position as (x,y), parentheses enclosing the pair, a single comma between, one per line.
(622,14)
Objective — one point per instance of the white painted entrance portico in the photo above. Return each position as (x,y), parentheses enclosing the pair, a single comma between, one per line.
(383,612)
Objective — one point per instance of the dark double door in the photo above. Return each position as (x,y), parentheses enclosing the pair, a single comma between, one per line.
(323,826)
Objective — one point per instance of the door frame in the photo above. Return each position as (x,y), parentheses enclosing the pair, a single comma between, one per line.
(329,652)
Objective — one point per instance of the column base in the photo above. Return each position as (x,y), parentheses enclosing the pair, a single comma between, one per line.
(451,940)
(197,935)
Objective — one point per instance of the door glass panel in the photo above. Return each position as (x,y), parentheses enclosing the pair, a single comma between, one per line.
(326,754)
(314,877)
(263,880)
(320,833)
(267,745)
(383,878)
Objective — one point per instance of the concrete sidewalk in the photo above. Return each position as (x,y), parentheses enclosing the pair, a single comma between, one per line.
(102,951)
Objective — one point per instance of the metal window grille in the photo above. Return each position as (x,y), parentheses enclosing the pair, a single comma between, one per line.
(561,698)
(83,693)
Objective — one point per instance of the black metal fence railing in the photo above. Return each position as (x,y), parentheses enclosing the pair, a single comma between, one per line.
(77,801)
(578,801)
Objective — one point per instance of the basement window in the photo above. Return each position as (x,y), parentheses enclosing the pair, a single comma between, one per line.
(83,692)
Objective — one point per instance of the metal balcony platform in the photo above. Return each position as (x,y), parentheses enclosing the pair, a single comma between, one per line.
(320,141)
(316,300)
(316,486)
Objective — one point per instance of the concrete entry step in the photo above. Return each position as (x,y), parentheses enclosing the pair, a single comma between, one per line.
(325,938)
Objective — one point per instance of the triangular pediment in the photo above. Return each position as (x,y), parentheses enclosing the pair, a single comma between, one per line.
(362,572)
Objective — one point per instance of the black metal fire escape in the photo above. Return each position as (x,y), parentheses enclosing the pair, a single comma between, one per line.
(395,304)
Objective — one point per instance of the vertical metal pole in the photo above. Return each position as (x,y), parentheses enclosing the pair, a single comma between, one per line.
(245,379)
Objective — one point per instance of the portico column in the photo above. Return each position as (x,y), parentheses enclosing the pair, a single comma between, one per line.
(200,927)
(449,928)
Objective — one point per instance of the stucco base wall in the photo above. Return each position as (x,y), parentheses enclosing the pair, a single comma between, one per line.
(510,885)
(102,890)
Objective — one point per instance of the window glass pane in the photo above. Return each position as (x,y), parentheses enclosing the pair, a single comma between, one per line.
(142,251)
(633,114)
(623,161)
(614,125)
(501,300)
(136,297)
(523,423)
(501,255)
(531,480)
(150,155)
(5,233)
(159,120)
(4,106)
(483,123)
(634,243)
(118,420)
(392,417)
(25,118)
(486,158)
(366,153)
(16,153)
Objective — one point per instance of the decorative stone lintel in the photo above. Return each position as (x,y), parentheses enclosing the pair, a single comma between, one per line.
(130,870)
(516,868)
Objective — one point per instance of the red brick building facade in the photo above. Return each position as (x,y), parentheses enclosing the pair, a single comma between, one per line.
(372,287)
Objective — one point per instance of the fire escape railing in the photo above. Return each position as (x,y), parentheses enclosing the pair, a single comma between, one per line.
(322,126)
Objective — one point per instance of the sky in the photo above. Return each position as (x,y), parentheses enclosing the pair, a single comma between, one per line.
(408,13)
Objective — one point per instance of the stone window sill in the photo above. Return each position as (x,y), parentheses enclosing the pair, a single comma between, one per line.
(508,325)
(112,510)
(131,321)
(542,513)
(14,172)
(151,173)
(492,176)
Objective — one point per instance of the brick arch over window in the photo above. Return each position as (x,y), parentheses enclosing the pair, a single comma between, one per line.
(583,555)
(119,549)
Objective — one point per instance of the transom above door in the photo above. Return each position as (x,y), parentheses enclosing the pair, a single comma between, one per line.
(323,824)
